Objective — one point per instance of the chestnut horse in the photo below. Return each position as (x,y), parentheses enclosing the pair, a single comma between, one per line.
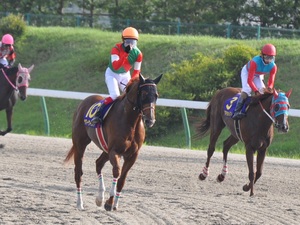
(14,82)
(123,131)
(255,130)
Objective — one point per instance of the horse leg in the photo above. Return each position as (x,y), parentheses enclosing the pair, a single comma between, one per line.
(9,112)
(115,162)
(215,133)
(261,154)
(249,156)
(227,144)
(128,163)
(78,157)
(100,162)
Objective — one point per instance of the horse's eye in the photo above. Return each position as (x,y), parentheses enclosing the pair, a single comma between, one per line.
(20,79)
(277,107)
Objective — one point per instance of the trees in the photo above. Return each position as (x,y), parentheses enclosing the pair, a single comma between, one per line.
(267,13)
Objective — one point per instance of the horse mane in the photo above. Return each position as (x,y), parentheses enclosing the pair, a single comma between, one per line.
(129,86)
(258,98)
(11,71)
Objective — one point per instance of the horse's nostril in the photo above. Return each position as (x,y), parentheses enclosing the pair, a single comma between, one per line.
(149,123)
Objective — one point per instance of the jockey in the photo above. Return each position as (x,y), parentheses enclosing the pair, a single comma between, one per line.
(123,57)
(252,76)
(7,53)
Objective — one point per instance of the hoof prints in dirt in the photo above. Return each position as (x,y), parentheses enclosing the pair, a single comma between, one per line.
(162,188)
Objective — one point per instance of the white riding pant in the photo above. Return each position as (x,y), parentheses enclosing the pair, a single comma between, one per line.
(116,82)
(258,81)
(4,61)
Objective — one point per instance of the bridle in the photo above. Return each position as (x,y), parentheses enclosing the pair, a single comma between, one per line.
(142,100)
(150,98)
(280,105)
(22,79)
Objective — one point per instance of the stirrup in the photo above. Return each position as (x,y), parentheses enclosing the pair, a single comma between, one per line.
(238,115)
(96,120)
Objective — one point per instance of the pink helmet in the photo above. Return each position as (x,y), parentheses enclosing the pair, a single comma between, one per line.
(7,39)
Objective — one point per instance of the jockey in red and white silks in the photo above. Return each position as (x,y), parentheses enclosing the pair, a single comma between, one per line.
(252,76)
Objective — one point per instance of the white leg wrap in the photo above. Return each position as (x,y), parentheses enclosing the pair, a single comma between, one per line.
(101,191)
(116,200)
(112,191)
(79,199)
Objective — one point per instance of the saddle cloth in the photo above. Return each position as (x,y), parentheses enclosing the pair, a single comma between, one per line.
(93,110)
(230,104)
(98,127)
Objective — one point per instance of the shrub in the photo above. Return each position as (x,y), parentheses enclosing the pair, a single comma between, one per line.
(235,57)
(198,79)
(14,25)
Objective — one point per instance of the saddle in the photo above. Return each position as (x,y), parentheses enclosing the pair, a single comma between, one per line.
(93,110)
(230,104)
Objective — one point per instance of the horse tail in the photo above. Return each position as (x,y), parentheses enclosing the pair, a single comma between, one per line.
(204,125)
(70,155)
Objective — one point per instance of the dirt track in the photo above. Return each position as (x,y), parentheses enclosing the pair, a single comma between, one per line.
(161,188)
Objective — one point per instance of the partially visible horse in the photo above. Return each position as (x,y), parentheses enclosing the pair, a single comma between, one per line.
(14,82)
(123,135)
(255,130)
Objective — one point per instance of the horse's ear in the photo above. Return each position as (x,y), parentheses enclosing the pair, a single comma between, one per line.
(30,68)
(275,93)
(288,93)
(20,66)
(142,79)
(157,79)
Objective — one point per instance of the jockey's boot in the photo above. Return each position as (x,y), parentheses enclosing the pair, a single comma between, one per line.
(98,117)
(238,114)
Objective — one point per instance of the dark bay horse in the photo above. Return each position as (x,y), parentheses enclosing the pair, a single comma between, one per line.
(123,132)
(14,82)
(255,130)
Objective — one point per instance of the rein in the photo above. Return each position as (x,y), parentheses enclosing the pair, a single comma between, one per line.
(14,87)
(271,118)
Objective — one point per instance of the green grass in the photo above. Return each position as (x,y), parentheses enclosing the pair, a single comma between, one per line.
(74,59)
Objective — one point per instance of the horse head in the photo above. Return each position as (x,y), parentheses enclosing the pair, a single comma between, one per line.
(279,110)
(22,80)
(147,96)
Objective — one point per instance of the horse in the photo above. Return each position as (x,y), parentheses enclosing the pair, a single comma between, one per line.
(256,130)
(14,82)
(123,135)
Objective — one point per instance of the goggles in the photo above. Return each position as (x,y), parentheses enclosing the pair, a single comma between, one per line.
(131,42)
(269,57)
(7,45)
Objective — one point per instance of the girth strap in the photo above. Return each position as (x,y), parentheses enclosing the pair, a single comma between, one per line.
(237,128)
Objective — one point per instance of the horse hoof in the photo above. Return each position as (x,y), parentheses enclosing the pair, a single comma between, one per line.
(220,178)
(99,201)
(201,177)
(246,187)
(80,207)
(108,207)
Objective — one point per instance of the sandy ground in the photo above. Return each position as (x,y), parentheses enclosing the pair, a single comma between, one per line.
(161,188)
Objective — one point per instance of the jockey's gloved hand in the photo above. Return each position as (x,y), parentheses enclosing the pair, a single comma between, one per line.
(127,49)
(11,63)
